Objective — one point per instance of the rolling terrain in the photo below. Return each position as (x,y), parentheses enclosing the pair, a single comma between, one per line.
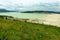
(18,30)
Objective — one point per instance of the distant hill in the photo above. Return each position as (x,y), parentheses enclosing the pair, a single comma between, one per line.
(4,10)
(40,12)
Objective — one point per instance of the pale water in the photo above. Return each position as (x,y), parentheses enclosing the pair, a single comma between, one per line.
(25,15)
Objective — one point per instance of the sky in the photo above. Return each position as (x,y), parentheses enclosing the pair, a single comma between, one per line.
(31,4)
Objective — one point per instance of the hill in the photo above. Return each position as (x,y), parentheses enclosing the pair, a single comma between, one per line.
(40,12)
(4,10)
(18,30)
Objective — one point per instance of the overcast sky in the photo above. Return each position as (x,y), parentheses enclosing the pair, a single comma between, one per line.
(11,3)
(27,2)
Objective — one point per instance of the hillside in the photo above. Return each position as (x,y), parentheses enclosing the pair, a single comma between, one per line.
(18,30)
(40,12)
(4,10)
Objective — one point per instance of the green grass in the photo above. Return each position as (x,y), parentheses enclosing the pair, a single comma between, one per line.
(16,30)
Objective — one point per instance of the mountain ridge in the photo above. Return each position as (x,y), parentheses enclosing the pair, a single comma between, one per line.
(4,10)
(40,12)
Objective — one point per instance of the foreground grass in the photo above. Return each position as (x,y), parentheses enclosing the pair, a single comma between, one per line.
(16,30)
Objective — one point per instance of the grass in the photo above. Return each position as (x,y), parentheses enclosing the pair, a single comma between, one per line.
(16,30)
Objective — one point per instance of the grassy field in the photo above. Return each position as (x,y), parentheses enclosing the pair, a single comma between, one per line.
(16,30)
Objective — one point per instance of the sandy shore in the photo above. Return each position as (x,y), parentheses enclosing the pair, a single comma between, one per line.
(53,19)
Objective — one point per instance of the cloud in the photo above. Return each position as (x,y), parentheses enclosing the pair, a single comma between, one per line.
(30,4)
(26,2)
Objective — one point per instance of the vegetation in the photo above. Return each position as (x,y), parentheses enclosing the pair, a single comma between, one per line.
(41,12)
(4,10)
(17,30)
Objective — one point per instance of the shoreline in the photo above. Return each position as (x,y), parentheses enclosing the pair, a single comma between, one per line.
(52,19)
